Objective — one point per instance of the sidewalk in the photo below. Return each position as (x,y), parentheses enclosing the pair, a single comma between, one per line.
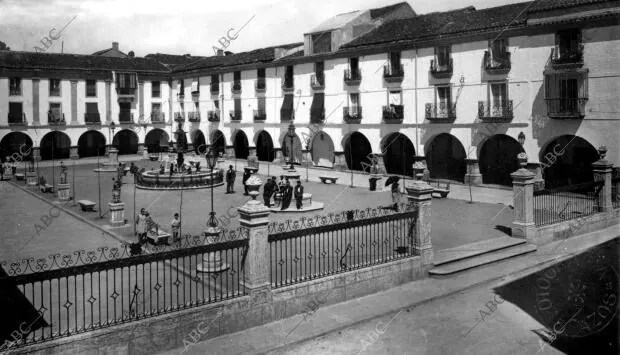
(336,317)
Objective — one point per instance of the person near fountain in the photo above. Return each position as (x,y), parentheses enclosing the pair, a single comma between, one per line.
(230,180)
(171,168)
(281,184)
(175,228)
(141,226)
(299,194)
(161,168)
(268,191)
(287,195)
(246,176)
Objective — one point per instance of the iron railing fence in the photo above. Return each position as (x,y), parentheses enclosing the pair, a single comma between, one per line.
(85,291)
(326,245)
(615,192)
(567,202)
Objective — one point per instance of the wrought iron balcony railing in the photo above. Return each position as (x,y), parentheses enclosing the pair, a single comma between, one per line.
(17,119)
(288,85)
(261,85)
(55,118)
(317,82)
(193,116)
(352,114)
(260,115)
(125,117)
(235,115)
(215,88)
(158,117)
(236,87)
(213,116)
(92,118)
(393,73)
(567,57)
(179,117)
(317,115)
(497,64)
(393,113)
(55,92)
(15,91)
(126,91)
(441,112)
(287,115)
(566,107)
(352,77)
(490,111)
(441,69)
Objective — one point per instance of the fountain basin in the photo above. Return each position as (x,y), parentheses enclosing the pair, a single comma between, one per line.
(153,180)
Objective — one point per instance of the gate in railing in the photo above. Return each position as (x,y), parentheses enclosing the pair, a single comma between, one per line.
(567,202)
(63,295)
(325,245)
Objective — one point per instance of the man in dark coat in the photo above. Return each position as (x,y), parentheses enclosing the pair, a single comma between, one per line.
(246,176)
(230,180)
(268,191)
(287,195)
(299,194)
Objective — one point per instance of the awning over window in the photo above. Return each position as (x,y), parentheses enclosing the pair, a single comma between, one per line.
(286,112)
(126,80)
(317,110)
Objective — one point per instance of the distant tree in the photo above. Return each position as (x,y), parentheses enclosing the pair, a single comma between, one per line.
(3,47)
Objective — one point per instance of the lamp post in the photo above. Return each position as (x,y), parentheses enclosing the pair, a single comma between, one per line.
(112,127)
(211,158)
(291,135)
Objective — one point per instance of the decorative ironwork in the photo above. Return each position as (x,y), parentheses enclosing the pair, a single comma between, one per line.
(440,112)
(495,111)
(566,202)
(497,64)
(393,73)
(393,113)
(352,114)
(352,77)
(567,57)
(442,70)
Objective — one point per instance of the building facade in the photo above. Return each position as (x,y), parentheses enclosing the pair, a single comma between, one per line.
(465,90)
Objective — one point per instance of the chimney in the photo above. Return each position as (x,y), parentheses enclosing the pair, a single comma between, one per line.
(220,52)
(115,46)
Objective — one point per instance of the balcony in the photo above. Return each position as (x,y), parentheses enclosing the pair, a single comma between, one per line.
(158,117)
(181,95)
(213,116)
(393,73)
(92,118)
(498,64)
(236,87)
(125,117)
(352,114)
(493,112)
(215,88)
(261,85)
(317,115)
(17,119)
(317,82)
(566,58)
(193,116)
(288,85)
(179,117)
(287,115)
(441,69)
(393,113)
(55,92)
(441,112)
(566,108)
(56,118)
(235,115)
(260,115)
(352,77)
(15,91)
(125,94)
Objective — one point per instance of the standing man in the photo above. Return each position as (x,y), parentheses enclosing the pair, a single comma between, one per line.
(246,176)
(175,227)
(141,226)
(287,195)
(299,194)
(267,191)
(230,180)
(395,194)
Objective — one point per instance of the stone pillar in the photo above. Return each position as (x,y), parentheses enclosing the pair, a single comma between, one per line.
(74,102)
(112,156)
(473,175)
(63,191)
(230,152)
(73,152)
(140,100)
(212,262)
(419,194)
(36,153)
(279,157)
(252,151)
(108,101)
(602,172)
(140,148)
(35,101)
(117,213)
(539,182)
(31,178)
(378,161)
(254,218)
(523,225)
(340,163)
(306,157)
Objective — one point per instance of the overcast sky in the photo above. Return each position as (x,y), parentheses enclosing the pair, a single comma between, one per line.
(180,26)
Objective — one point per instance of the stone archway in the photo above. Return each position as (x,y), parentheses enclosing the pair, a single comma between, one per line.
(568,161)
(498,159)
(241,145)
(91,144)
(264,147)
(445,158)
(199,142)
(218,142)
(156,140)
(55,145)
(357,150)
(322,150)
(16,144)
(126,141)
(398,154)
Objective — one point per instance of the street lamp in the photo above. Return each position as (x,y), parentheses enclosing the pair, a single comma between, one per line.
(291,135)
(521,138)
(211,158)
(111,127)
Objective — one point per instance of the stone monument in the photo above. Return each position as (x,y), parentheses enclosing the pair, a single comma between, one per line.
(63,188)
(117,208)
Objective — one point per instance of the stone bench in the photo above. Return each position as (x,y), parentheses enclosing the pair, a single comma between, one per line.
(325,179)
(47,188)
(20,176)
(86,205)
(307,197)
(157,237)
(440,187)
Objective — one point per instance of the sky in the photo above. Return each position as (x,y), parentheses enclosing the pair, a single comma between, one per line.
(181,26)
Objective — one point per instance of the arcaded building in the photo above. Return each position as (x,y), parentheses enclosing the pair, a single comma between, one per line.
(464,90)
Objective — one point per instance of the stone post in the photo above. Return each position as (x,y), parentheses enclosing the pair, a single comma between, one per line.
(230,152)
(254,217)
(63,189)
(602,172)
(117,213)
(73,152)
(420,195)
(212,262)
(140,149)
(279,157)
(36,154)
(306,157)
(340,162)
(473,175)
(523,181)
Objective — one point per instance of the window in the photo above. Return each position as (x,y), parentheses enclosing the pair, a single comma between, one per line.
(216,105)
(354,64)
(444,97)
(260,73)
(288,77)
(215,80)
(237,76)
(156,108)
(498,48)
(91,107)
(16,113)
(499,95)
(395,60)
(15,87)
(443,55)
(54,87)
(155,89)
(91,88)
(195,86)
(322,42)
(394,98)
(568,42)
(55,112)
(354,99)
(196,106)
(261,105)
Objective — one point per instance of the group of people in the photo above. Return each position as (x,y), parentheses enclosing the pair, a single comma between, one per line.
(284,191)
(146,224)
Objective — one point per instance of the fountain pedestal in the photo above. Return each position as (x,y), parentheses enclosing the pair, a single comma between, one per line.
(212,262)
